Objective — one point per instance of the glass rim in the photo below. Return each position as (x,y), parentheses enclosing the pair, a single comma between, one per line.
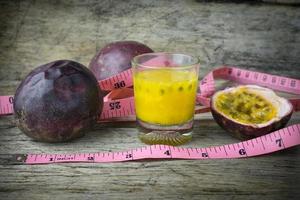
(195,60)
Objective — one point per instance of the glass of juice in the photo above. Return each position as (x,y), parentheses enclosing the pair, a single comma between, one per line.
(165,86)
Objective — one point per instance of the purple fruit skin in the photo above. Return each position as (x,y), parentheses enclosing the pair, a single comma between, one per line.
(245,132)
(116,57)
(57,101)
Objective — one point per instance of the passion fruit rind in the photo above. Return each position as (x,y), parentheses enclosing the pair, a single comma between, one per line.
(116,57)
(57,102)
(243,130)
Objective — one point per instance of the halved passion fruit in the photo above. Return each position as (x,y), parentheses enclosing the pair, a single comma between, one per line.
(249,111)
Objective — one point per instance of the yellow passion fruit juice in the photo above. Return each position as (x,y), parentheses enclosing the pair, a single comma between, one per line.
(165,96)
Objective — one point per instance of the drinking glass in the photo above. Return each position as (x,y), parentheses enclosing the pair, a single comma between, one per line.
(165,86)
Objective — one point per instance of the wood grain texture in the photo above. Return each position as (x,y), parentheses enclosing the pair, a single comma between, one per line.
(264,37)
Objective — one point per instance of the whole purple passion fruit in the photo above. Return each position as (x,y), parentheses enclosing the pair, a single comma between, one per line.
(57,101)
(116,57)
(250,111)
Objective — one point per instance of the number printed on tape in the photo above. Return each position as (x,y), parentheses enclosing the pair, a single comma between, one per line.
(6,105)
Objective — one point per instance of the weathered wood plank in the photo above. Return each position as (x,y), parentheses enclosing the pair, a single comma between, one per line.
(273,176)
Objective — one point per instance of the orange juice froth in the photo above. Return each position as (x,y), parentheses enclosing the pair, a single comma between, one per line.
(165,96)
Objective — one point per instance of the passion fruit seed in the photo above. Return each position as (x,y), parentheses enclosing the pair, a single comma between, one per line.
(180,89)
(249,107)
(249,111)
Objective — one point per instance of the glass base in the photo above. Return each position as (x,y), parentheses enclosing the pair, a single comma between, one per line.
(168,135)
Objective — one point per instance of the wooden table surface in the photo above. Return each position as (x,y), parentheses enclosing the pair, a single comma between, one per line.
(257,36)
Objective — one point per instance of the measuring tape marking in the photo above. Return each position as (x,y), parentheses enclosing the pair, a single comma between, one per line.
(275,82)
(6,105)
(207,85)
(278,140)
(122,107)
(123,79)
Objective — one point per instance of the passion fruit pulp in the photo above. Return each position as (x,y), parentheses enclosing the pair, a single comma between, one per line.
(250,111)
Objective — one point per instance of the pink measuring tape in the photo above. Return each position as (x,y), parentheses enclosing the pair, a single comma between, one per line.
(115,107)
(120,103)
(241,76)
(278,140)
